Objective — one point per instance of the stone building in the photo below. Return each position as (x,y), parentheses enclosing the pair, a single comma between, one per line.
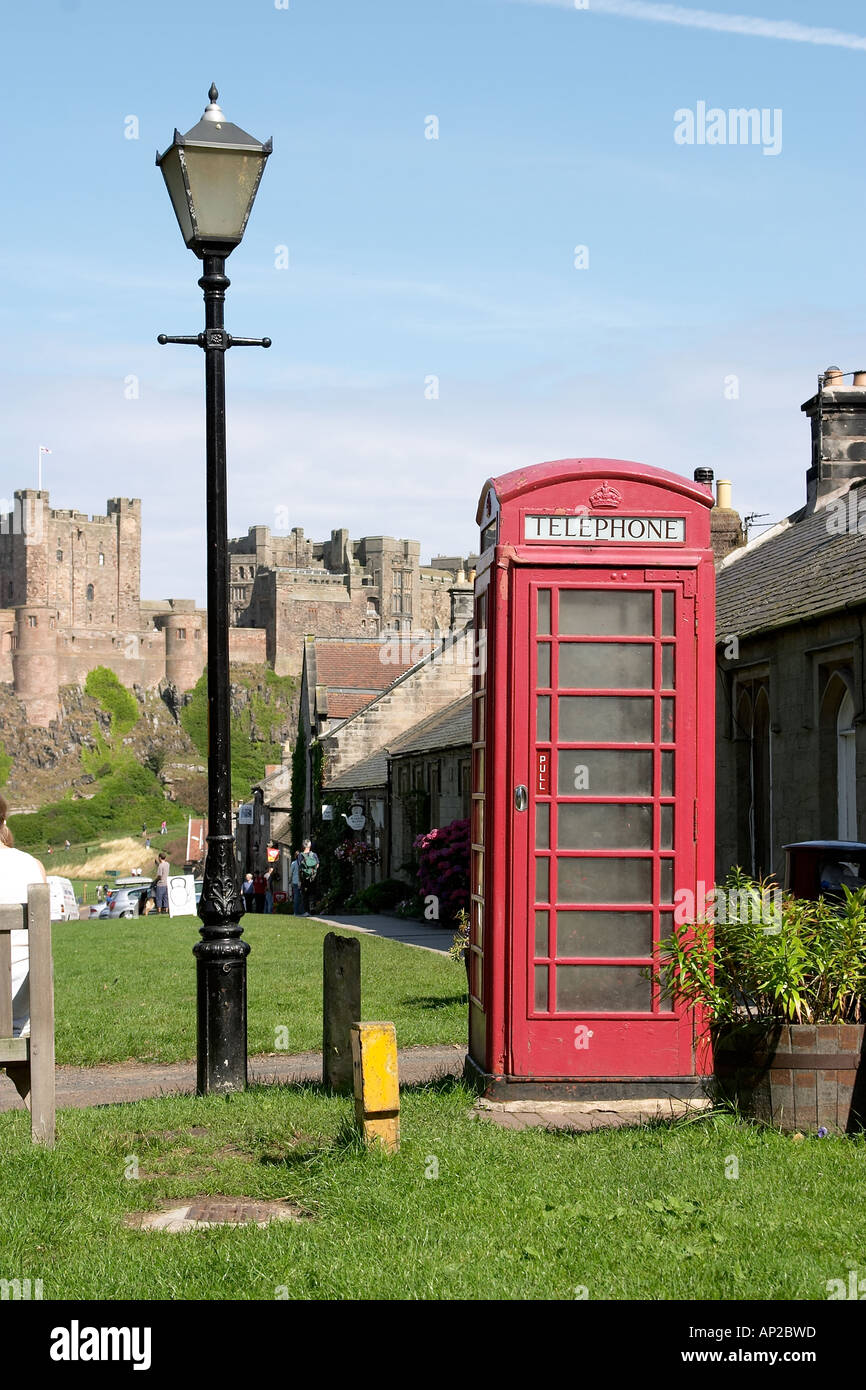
(791,624)
(419,781)
(291,587)
(70,600)
(70,594)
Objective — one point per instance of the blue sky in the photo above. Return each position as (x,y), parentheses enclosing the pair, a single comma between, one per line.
(411,257)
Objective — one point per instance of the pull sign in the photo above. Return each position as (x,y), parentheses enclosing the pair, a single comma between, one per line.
(542,772)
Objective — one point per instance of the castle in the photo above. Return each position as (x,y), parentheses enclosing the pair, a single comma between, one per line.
(70,600)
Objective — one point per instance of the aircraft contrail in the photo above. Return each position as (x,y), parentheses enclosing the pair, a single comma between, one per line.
(747,25)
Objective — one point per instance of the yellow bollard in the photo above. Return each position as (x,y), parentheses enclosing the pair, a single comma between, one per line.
(377,1090)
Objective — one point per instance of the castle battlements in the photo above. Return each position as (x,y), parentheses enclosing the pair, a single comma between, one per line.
(70,599)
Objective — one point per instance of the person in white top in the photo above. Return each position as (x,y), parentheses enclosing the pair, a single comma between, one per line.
(17,871)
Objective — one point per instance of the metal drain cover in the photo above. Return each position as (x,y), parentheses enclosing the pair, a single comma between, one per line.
(204,1212)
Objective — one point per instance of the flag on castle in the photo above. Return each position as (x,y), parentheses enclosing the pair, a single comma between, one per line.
(42,450)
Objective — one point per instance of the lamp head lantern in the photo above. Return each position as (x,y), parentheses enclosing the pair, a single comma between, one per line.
(212,175)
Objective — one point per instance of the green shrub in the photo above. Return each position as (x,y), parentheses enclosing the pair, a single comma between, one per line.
(118,702)
(249,754)
(764,955)
(379,897)
(129,797)
(299,786)
(5,765)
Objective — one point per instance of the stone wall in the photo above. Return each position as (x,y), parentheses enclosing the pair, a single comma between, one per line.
(804,667)
(137,659)
(248,644)
(444,778)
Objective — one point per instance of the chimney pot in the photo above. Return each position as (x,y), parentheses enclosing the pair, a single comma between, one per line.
(833,377)
(704,475)
(723,494)
(860,378)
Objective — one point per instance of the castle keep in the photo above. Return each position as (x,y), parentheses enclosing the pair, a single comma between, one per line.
(293,587)
(70,600)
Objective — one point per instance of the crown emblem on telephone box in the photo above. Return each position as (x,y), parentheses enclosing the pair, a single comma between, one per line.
(605,496)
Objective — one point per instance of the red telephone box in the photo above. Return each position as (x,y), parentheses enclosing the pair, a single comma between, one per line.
(593,770)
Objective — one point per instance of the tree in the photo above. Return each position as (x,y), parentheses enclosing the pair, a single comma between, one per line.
(299,785)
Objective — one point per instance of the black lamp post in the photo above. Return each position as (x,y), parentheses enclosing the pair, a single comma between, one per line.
(212,174)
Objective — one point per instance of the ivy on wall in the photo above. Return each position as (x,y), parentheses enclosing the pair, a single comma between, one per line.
(299,785)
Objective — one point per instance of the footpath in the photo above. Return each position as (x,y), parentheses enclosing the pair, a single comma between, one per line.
(78,1087)
(127,1081)
(429,938)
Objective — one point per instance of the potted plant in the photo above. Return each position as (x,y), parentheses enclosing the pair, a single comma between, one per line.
(781,982)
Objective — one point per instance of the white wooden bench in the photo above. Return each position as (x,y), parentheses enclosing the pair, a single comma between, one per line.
(29,1062)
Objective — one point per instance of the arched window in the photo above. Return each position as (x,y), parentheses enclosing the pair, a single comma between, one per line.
(753,764)
(846,769)
(101,558)
(837,786)
(90,593)
(761,788)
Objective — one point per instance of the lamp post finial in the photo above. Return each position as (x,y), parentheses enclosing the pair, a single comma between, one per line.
(212,112)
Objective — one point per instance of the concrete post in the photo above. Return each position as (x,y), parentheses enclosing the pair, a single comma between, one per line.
(377,1085)
(341,1005)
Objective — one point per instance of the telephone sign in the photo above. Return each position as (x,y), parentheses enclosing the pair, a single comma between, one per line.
(592,790)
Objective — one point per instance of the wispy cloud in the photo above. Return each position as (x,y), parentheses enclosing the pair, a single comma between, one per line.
(750,26)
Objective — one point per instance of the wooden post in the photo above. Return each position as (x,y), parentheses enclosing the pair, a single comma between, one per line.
(377,1088)
(341,1004)
(42,1094)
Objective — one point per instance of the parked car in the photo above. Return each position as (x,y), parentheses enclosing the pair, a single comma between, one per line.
(64,907)
(815,868)
(125,902)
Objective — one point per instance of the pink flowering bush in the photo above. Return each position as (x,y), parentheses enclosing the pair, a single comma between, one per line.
(356,852)
(443,867)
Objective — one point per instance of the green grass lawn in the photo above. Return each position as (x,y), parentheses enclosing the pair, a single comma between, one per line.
(125,990)
(642,1214)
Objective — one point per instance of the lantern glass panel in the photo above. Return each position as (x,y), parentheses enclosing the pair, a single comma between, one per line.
(173,175)
(222,185)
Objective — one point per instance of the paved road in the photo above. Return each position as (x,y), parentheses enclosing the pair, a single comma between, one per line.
(423,934)
(106,1085)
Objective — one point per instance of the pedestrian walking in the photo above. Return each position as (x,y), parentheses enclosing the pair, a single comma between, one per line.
(269,895)
(163,829)
(163,869)
(248,892)
(308,868)
(260,888)
(295,882)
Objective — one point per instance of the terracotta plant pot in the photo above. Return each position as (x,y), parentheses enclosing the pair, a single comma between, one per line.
(794,1076)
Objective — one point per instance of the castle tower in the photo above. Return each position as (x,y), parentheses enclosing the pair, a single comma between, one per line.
(184,644)
(35,665)
(126,513)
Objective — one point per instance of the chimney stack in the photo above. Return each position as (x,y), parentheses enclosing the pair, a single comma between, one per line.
(837,413)
(726,529)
